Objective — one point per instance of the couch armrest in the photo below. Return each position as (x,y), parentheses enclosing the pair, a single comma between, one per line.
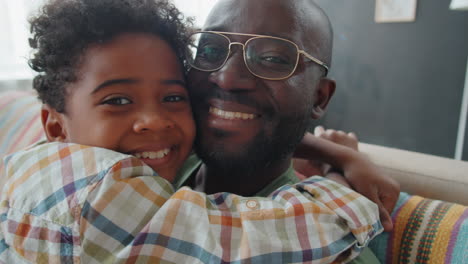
(421,174)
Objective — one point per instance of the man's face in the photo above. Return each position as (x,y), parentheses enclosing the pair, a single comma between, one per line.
(245,121)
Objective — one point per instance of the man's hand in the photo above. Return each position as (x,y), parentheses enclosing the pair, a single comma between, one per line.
(361,174)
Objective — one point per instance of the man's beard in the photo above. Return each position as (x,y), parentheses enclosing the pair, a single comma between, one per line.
(260,153)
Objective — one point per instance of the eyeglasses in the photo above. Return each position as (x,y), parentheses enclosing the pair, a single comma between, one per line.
(266,57)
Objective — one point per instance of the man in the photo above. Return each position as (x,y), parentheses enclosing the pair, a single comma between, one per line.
(258,78)
(282,109)
(249,121)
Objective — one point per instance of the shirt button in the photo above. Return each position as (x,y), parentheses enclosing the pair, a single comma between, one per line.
(251,204)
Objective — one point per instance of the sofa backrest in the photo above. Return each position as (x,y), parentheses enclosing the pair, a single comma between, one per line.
(422,174)
(20,123)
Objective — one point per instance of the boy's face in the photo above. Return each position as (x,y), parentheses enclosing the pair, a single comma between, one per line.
(130,97)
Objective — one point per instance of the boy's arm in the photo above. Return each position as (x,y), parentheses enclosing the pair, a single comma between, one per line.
(357,169)
(66,202)
(293,224)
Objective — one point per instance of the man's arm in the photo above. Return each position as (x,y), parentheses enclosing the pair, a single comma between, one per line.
(357,169)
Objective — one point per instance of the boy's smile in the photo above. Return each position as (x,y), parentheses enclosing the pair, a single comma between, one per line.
(130,97)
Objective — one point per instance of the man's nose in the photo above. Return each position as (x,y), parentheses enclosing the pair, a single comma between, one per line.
(152,120)
(234,74)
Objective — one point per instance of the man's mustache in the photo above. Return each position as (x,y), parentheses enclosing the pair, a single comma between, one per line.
(240,97)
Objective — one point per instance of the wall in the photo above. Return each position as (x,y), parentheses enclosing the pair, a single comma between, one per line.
(399,84)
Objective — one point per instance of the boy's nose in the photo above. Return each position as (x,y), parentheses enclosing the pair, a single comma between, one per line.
(152,121)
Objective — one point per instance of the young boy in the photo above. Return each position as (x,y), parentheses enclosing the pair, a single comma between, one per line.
(115,111)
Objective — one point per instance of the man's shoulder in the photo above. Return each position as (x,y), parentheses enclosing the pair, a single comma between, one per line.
(191,165)
(287,178)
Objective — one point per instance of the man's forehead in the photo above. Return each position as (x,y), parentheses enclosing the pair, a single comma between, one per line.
(300,21)
(247,16)
(297,20)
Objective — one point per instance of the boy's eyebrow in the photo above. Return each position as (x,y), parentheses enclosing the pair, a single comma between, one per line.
(177,82)
(112,82)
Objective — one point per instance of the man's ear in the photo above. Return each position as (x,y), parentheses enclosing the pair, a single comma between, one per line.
(323,94)
(53,124)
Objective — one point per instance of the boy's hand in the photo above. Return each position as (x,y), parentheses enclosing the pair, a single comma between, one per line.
(366,179)
(349,140)
(311,167)
(360,173)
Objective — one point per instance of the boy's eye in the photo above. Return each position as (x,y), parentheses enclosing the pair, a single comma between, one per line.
(117,101)
(174,98)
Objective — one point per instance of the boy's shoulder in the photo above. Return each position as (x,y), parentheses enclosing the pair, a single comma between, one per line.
(46,154)
(56,177)
(55,160)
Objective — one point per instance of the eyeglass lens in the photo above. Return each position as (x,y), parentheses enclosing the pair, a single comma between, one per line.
(265,57)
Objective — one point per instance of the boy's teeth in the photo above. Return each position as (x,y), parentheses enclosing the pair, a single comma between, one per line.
(152,154)
(231,115)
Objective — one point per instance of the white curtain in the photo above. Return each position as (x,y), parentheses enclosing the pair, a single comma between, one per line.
(196,8)
(14,48)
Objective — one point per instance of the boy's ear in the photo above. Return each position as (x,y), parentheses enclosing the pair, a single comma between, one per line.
(323,94)
(53,124)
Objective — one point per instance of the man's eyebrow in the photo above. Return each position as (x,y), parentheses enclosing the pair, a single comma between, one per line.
(113,82)
(264,33)
(276,34)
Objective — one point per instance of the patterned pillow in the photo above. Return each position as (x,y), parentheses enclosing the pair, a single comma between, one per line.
(20,123)
(425,231)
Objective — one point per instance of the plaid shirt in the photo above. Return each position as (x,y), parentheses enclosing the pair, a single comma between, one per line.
(68,203)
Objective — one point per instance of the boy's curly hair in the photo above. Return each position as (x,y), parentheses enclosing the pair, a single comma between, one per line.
(64,29)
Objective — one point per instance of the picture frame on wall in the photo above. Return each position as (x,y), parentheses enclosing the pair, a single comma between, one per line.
(459,5)
(391,11)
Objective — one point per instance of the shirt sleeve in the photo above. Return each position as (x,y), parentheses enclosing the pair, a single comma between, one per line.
(127,218)
(66,203)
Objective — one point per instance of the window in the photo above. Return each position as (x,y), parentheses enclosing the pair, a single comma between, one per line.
(14,48)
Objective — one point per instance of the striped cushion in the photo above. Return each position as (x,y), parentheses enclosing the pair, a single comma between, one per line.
(425,231)
(20,123)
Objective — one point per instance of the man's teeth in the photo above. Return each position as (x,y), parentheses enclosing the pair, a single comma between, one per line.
(152,154)
(231,115)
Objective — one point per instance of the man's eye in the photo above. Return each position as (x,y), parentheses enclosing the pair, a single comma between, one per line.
(210,53)
(274,59)
(175,98)
(117,101)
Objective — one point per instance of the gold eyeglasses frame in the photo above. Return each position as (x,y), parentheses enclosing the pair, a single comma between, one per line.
(253,37)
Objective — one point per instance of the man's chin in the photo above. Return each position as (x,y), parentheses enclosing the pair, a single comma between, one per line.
(232,158)
(236,153)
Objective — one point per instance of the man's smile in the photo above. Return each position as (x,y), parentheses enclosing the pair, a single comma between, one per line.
(231,115)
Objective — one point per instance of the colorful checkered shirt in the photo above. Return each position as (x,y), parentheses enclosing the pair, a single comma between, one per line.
(68,203)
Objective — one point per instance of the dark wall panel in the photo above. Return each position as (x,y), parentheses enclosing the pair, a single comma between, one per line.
(399,84)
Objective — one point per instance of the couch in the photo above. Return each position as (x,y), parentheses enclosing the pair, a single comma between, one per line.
(431,217)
